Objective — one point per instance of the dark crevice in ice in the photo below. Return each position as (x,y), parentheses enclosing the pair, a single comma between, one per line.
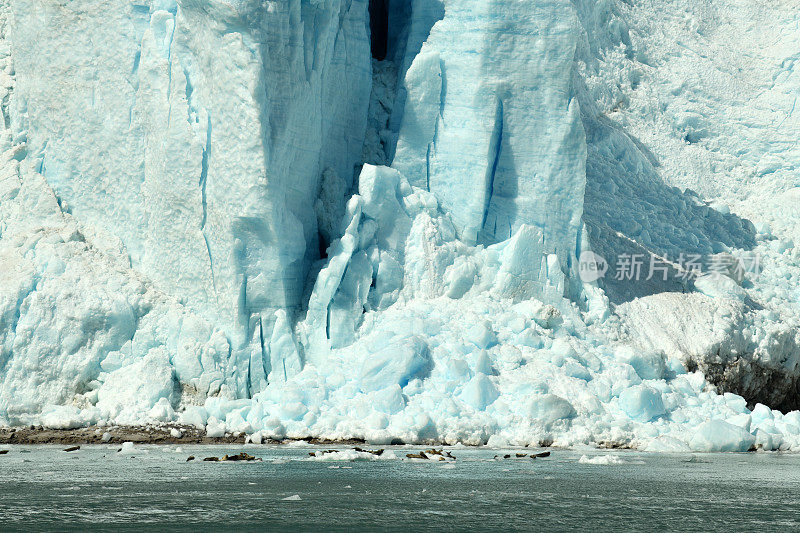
(264,353)
(379,28)
(495,151)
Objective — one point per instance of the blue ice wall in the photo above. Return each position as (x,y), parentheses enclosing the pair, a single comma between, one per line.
(491,123)
(195,133)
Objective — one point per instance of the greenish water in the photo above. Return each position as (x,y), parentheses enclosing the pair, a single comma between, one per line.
(155,489)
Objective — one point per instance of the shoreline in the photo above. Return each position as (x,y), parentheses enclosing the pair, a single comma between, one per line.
(163,435)
(174,434)
(138,435)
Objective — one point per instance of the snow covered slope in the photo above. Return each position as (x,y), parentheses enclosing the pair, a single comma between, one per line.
(701,96)
(173,171)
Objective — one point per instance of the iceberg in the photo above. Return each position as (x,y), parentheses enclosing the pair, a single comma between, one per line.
(374,219)
(719,436)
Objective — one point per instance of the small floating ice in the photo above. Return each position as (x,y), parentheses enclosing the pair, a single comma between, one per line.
(352,455)
(293,498)
(601,460)
(127,448)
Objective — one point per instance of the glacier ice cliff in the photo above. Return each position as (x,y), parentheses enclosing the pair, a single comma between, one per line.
(367,219)
(205,128)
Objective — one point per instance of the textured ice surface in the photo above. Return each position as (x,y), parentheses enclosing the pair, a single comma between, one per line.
(474,119)
(196,134)
(171,172)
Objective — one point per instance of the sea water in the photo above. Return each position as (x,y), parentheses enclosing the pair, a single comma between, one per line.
(155,488)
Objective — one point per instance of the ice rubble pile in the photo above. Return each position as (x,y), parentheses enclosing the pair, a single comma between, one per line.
(172,172)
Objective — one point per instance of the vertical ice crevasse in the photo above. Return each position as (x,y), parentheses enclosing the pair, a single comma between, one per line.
(495,151)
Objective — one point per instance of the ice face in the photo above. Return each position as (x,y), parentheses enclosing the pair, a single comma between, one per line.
(196,133)
(170,170)
(80,328)
(493,130)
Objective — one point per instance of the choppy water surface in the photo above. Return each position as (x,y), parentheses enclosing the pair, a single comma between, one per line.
(154,488)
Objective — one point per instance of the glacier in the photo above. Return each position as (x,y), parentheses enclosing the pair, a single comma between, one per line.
(369,219)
